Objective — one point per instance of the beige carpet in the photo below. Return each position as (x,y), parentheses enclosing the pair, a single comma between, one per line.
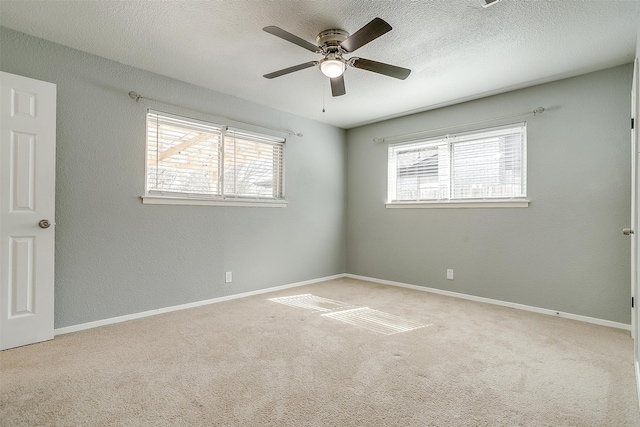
(336,357)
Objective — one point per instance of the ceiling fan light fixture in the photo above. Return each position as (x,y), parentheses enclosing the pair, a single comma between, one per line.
(332,67)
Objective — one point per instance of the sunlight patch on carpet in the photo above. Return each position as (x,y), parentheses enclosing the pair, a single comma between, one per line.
(311,302)
(374,320)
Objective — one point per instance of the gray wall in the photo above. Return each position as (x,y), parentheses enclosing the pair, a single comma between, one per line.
(638,43)
(115,256)
(565,252)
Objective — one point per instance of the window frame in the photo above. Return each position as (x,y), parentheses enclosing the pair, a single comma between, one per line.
(450,202)
(185,198)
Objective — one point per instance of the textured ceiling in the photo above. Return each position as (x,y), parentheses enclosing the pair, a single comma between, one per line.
(456,49)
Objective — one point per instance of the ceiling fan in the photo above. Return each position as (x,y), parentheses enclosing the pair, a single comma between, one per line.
(333,44)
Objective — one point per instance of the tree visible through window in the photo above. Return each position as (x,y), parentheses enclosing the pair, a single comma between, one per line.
(189,157)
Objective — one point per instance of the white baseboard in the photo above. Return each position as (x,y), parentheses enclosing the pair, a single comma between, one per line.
(587,319)
(112,320)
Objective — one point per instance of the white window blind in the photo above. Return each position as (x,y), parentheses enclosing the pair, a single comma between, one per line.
(253,166)
(187,157)
(480,165)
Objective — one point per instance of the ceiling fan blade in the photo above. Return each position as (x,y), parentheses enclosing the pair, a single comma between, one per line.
(291,69)
(337,86)
(279,32)
(364,35)
(380,68)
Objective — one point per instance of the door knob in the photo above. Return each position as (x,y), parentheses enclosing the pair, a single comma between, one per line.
(627,231)
(44,223)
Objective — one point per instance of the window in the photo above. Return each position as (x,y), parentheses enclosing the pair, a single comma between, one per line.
(191,159)
(486,165)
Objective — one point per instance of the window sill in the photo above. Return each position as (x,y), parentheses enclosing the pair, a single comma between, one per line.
(172,200)
(459,204)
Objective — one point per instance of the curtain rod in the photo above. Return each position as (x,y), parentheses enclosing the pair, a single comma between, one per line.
(535,112)
(137,97)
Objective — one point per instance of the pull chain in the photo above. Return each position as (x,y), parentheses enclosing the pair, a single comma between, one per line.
(323,101)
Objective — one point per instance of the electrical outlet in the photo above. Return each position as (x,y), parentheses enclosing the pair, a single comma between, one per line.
(228,277)
(450,273)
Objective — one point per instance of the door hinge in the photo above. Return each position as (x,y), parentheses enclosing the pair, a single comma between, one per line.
(632,305)
(631,123)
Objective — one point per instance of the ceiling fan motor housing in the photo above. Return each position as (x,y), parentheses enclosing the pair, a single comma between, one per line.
(329,40)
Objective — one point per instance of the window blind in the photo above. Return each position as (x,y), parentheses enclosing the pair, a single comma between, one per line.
(192,158)
(253,166)
(485,164)
(182,155)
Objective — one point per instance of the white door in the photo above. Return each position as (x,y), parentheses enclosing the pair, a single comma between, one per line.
(27,196)
(633,232)
(635,283)
(634,211)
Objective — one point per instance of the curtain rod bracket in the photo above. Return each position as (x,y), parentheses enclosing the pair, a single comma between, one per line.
(135,96)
